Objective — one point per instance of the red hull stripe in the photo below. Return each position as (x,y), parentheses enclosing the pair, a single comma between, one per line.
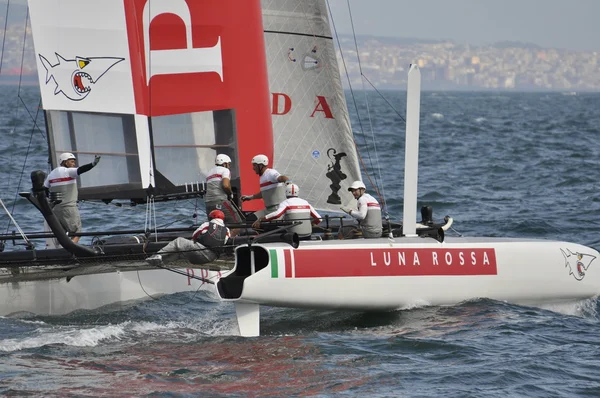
(287,255)
(393,262)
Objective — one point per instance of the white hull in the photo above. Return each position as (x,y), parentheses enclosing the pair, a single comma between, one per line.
(382,274)
(59,296)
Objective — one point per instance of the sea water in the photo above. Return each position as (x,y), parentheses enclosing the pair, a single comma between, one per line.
(501,164)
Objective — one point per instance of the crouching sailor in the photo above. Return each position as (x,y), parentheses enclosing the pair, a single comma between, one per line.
(294,209)
(205,246)
(368,212)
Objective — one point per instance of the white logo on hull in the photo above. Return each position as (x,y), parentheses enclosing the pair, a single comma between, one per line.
(177,61)
(70,77)
(577,263)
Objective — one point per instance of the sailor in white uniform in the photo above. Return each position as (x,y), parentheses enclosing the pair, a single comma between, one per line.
(219,195)
(272,185)
(63,180)
(294,209)
(368,212)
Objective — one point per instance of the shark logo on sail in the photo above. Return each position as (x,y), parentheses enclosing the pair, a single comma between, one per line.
(577,263)
(75,78)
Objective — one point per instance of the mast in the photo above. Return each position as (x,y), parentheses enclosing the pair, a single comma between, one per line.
(411,154)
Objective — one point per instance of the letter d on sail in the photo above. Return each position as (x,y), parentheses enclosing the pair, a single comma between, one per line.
(177,61)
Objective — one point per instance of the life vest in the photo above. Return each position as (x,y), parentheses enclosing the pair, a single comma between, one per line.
(214,238)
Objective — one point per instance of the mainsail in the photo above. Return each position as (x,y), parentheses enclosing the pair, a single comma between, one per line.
(157,87)
(312,133)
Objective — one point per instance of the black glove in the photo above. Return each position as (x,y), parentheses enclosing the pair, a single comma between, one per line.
(96,160)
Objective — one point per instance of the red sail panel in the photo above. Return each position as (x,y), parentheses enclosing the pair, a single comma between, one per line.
(193,56)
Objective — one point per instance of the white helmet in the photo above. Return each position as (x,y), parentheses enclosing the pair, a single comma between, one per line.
(221,159)
(356,185)
(260,159)
(292,190)
(65,156)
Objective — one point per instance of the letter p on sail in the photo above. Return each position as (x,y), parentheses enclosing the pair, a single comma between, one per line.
(178,61)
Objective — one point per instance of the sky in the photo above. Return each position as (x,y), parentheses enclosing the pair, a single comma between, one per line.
(567,24)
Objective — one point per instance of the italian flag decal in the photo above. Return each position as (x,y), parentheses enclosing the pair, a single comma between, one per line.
(281,263)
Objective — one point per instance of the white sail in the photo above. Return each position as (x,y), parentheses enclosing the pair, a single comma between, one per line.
(311,127)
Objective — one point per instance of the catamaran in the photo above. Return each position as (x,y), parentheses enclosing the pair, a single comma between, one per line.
(404,269)
(158,87)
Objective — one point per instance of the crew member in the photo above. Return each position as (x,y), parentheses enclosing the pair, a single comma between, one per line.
(368,212)
(272,185)
(63,180)
(206,245)
(219,195)
(294,209)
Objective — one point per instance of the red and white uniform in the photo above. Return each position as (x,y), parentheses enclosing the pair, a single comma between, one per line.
(273,191)
(214,184)
(216,197)
(63,180)
(204,227)
(296,209)
(193,251)
(368,215)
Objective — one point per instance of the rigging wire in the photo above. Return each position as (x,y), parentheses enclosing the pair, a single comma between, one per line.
(350,87)
(24,164)
(34,119)
(27,241)
(382,195)
(362,161)
(385,99)
(4,37)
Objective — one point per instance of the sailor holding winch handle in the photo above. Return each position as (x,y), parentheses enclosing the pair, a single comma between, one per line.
(368,212)
(63,180)
(294,209)
(272,185)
